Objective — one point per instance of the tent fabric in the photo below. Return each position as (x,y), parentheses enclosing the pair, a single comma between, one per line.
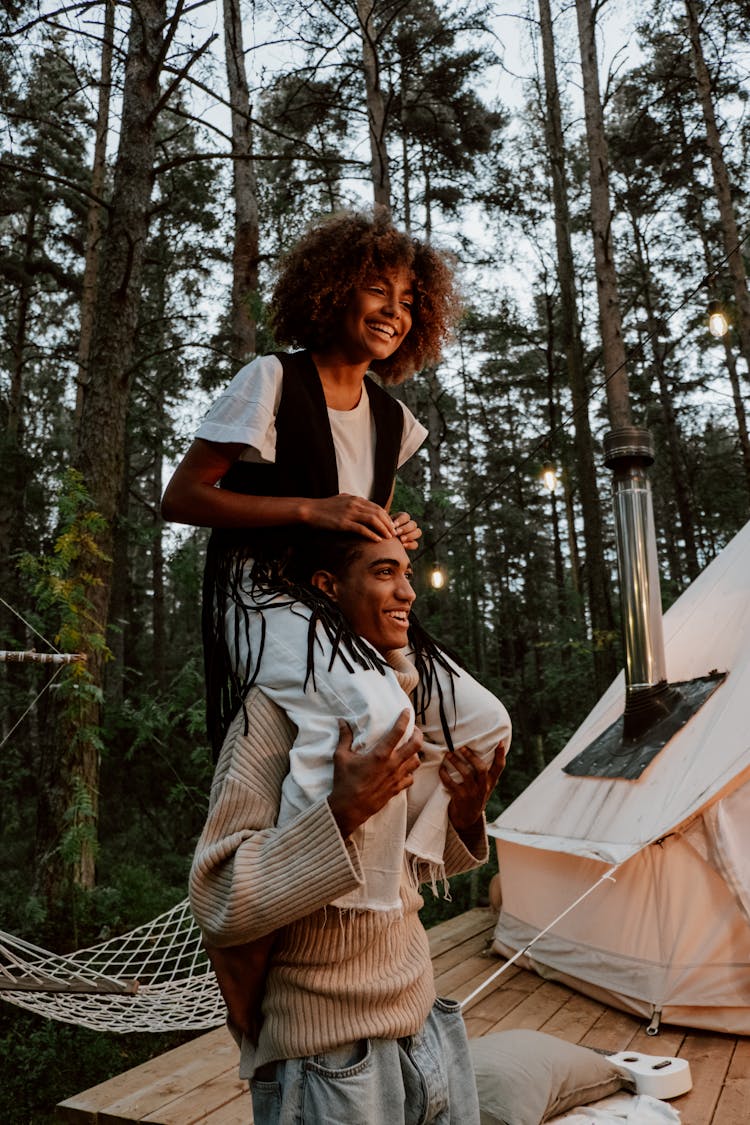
(669,932)
(706,630)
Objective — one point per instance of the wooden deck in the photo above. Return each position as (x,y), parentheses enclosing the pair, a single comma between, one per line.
(198,1082)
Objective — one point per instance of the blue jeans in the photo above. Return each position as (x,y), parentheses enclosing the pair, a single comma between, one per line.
(423,1079)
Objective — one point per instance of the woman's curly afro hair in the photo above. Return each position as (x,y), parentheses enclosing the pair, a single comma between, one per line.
(321,271)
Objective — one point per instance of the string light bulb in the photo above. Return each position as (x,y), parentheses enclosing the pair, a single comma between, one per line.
(549,476)
(437,577)
(718,324)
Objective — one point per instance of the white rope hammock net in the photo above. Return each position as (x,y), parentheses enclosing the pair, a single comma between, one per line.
(154,978)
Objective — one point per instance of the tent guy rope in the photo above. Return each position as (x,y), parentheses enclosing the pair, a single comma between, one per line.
(608,876)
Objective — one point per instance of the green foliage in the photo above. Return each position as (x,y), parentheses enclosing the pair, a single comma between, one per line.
(45,1062)
(61,581)
(79,825)
(60,585)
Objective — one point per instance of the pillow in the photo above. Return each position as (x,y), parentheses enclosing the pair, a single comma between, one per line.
(525,1077)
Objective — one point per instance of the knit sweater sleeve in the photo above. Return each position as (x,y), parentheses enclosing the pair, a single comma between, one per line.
(250,876)
(467,851)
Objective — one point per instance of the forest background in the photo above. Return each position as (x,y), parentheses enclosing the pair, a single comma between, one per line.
(156,159)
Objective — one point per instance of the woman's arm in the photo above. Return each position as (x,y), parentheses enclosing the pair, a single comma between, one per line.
(192,497)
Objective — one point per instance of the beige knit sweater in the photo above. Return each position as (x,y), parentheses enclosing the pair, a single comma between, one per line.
(335,976)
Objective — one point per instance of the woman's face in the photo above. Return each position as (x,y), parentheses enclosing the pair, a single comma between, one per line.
(378,317)
(375,593)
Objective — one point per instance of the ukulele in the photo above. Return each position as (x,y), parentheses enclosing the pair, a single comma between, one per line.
(656,1075)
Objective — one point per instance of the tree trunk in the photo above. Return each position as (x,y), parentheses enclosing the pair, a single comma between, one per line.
(553,420)
(739,409)
(613,345)
(14,473)
(246,234)
(157,547)
(597,576)
(102,426)
(575,561)
(427,195)
(376,115)
(13,476)
(95,211)
(675,450)
(435,438)
(406,164)
(722,187)
(120,623)
(474,562)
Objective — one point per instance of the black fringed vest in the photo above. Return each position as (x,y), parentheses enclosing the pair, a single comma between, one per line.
(305,466)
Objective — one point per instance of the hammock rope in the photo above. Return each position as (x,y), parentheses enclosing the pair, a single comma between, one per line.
(155,978)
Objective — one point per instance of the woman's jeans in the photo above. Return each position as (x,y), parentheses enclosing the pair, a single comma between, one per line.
(422,1079)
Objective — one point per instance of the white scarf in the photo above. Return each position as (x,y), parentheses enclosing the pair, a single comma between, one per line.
(410,830)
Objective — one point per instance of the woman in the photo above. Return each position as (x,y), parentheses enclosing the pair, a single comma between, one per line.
(308,439)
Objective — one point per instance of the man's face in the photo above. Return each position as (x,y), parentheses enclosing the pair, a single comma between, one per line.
(375,594)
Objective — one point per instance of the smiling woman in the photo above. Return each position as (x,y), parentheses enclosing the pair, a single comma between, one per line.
(308,439)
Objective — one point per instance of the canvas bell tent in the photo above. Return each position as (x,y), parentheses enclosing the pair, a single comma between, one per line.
(668,935)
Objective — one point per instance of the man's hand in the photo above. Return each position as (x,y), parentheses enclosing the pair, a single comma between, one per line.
(365,783)
(470,790)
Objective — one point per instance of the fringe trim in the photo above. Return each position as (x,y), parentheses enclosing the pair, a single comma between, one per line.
(435,875)
(350,913)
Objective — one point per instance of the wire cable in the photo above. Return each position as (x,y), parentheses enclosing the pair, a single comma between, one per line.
(33,704)
(29,625)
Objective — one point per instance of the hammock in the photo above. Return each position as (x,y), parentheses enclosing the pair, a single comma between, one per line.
(154,978)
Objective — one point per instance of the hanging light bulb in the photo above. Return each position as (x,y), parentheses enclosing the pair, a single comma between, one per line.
(549,476)
(718,324)
(437,577)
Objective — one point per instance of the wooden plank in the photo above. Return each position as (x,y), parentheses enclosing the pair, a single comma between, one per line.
(456,930)
(500,1002)
(222,1091)
(733,1107)
(709,1056)
(574,1019)
(189,1078)
(463,978)
(533,1006)
(668,1042)
(198,1081)
(480,943)
(613,1031)
(85,1107)
(238,1112)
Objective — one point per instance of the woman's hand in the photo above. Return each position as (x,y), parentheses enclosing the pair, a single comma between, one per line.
(364,783)
(407,530)
(470,790)
(349,513)
(191,497)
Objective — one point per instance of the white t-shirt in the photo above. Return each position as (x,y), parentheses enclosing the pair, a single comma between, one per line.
(246,413)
